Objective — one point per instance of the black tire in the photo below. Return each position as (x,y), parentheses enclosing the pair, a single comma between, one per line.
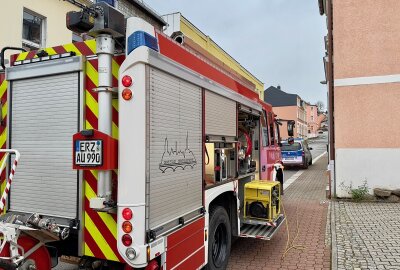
(219,242)
(305,163)
(310,163)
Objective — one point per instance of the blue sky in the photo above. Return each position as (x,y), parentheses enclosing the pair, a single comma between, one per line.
(279,41)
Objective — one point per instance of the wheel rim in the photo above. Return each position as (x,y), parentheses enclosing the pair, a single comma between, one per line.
(220,245)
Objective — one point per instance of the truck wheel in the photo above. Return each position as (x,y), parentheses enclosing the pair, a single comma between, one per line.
(219,243)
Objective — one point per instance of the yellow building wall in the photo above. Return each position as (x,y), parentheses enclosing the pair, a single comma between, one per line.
(208,44)
(54,11)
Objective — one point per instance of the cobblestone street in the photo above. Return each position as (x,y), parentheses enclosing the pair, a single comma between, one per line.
(366,235)
(304,201)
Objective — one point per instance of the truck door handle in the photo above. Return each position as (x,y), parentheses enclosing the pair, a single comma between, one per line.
(263,168)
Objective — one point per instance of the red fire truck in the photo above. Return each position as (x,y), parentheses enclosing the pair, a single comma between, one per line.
(135,156)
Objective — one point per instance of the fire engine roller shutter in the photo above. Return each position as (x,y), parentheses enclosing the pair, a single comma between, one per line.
(44,116)
(175,186)
(220,115)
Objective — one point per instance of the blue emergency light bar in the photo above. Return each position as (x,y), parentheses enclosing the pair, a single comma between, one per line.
(141,38)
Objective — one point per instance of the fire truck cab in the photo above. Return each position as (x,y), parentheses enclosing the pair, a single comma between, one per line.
(173,157)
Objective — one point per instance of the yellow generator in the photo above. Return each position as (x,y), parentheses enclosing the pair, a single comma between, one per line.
(262,200)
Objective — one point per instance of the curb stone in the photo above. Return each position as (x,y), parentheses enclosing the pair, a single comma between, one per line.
(334,257)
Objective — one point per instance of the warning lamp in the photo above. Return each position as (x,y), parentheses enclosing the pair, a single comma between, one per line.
(127,214)
(127,94)
(126,240)
(127,81)
(127,227)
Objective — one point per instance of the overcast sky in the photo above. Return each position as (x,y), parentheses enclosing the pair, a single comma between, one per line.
(279,41)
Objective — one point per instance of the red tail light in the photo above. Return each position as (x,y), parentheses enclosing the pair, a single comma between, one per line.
(126,240)
(127,214)
(303,154)
(127,94)
(127,81)
(127,227)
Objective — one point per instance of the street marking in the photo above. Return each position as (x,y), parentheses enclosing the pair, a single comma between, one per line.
(292,179)
(320,156)
(300,172)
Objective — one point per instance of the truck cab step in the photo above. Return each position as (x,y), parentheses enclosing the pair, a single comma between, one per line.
(261,231)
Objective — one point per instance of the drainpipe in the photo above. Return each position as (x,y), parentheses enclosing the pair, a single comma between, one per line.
(331,103)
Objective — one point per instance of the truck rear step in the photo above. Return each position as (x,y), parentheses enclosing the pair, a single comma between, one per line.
(261,231)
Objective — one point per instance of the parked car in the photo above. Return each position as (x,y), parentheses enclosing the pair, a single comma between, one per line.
(296,154)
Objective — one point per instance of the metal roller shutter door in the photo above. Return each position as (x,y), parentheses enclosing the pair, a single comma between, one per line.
(175,186)
(220,115)
(44,116)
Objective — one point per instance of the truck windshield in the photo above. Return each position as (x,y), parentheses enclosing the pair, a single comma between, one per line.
(291,147)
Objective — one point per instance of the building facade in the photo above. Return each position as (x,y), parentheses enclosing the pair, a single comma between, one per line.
(34,24)
(289,107)
(312,120)
(363,78)
(193,38)
(41,23)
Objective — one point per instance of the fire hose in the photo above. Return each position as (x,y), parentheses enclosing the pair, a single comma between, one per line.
(290,244)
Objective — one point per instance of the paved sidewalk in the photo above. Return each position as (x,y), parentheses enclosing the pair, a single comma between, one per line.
(307,195)
(367,235)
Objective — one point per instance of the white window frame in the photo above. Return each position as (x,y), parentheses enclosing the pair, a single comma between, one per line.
(43,28)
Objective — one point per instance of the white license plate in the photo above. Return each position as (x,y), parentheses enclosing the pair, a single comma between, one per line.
(289,158)
(89,152)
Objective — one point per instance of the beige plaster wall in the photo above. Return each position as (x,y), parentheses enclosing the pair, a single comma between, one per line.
(366,38)
(367,116)
(53,10)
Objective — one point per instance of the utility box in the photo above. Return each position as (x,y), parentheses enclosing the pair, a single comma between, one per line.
(262,200)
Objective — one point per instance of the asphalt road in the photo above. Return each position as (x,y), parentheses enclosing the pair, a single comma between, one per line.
(318,146)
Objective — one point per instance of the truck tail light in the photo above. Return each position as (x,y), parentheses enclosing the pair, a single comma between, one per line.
(127,94)
(126,240)
(127,227)
(127,81)
(127,214)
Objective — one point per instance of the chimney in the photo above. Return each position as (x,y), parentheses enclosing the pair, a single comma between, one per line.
(279,87)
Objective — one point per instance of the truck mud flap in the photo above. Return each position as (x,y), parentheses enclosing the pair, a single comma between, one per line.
(261,231)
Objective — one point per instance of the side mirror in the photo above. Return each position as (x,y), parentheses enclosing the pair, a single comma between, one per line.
(290,127)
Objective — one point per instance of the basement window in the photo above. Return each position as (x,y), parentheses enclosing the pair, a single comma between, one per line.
(33,30)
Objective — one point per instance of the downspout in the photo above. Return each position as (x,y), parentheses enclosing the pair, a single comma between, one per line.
(331,94)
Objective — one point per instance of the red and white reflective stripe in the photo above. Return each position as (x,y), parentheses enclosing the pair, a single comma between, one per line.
(10,177)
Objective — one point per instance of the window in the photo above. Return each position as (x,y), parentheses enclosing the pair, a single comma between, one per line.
(312,118)
(277,133)
(264,130)
(33,31)
(291,147)
(312,108)
(271,128)
(265,136)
